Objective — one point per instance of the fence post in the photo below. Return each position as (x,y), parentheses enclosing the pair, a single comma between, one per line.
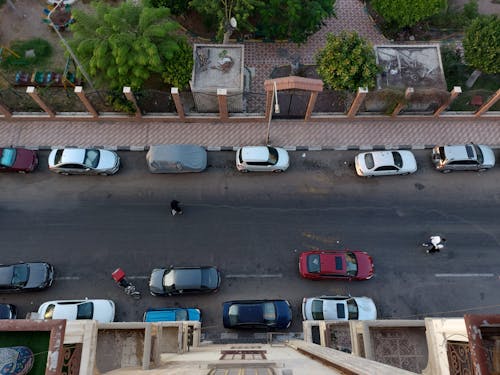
(399,107)
(488,104)
(31,91)
(358,100)
(310,105)
(222,98)
(5,111)
(81,95)
(457,90)
(174,91)
(127,91)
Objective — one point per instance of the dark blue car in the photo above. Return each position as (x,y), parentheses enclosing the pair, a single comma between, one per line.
(267,314)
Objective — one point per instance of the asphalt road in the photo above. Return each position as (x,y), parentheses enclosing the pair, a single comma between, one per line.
(253,226)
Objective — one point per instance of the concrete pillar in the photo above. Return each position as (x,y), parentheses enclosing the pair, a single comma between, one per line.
(399,107)
(488,104)
(127,91)
(174,91)
(5,111)
(358,100)
(222,98)
(310,105)
(31,91)
(88,105)
(457,90)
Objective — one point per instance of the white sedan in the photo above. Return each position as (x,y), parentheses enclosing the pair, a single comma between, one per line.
(102,310)
(84,161)
(385,163)
(338,308)
(262,159)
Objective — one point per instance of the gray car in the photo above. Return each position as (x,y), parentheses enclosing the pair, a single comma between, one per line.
(26,276)
(180,280)
(468,157)
(176,158)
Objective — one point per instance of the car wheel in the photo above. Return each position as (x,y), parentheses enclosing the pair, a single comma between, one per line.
(22,172)
(278,170)
(104,174)
(65,173)
(481,170)
(405,174)
(243,170)
(446,171)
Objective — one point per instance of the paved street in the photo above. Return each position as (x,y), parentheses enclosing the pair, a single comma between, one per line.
(253,227)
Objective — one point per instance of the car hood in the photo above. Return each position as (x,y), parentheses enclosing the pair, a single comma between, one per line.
(41,275)
(366,308)
(104,310)
(488,155)
(365,265)
(283,314)
(156,281)
(107,159)
(283,159)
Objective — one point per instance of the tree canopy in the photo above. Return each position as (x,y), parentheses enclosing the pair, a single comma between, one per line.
(482,44)
(406,13)
(347,62)
(123,45)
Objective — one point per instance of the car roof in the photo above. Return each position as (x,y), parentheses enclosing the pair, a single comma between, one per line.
(255,153)
(73,155)
(383,157)
(460,152)
(187,278)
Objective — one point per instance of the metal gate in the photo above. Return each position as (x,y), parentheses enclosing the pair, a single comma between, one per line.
(293,104)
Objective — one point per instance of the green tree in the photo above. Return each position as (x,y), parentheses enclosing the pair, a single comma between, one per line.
(177,72)
(347,62)
(293,19)
(406,13)
(223,10)
(122,45)
(177,7)
(482,44)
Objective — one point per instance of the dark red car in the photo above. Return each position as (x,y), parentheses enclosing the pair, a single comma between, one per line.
(17,160)
(336,264)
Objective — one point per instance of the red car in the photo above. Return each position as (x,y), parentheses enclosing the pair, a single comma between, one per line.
(336,264)
(17,160)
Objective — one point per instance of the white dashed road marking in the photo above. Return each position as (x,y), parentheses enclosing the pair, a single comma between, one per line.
(243,276)
(464,275)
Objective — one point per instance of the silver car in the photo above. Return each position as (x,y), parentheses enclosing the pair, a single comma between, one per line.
(338,308)
(468,157)
(83,161)
(385,163)
(262,159)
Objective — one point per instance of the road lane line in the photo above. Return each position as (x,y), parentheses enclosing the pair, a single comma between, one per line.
(137,277)
(464,275)
(243,276)
(67,278)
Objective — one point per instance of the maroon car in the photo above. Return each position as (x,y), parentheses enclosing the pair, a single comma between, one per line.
(17,160)
(336,264)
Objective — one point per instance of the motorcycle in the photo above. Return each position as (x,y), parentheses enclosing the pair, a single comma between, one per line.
(119,276)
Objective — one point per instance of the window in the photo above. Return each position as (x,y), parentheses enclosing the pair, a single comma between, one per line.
(398,160)
(317,309)
(58,157)
(387,168)
(340,311)
(85,310)
(91,158)
(273,155)
(72,166)
(8,157)
(338,263)
(313,263)
(351,264)
(49,312)
(352,307)
(369,161)
(269,312)
(20,275)
(233,314)
(181,315)
(479,153)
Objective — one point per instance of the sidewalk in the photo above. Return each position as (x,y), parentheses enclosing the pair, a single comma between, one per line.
(291,134)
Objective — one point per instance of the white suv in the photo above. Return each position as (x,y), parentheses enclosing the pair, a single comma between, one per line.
(469,157)
(261,159)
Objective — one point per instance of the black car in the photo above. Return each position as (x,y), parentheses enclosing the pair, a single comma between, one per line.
(8,311)
(267,314)
(26,276)
(180,280)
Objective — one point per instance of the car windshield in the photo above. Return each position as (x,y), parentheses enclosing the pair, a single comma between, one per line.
(269,311)
(233,314)
(49,312)
(398,160)
(352,307)
(20,274)
(181,315)
(273,155)
(169,280)
(313,263)
(8,157)
(85,310)
(369,161)
(351,264)
(91,158)
(317,309)
(479,153)
(209,278)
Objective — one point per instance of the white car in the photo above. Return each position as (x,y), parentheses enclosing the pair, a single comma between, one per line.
(102,310)
(338,308)
(84,161)
(262,159)
(385,163)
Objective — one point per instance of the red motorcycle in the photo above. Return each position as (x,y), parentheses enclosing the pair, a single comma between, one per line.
(119,276)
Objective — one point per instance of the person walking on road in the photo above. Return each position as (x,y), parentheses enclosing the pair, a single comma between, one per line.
(175,208)
(435,244)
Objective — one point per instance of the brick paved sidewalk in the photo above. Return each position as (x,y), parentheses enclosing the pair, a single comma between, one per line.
(337,134)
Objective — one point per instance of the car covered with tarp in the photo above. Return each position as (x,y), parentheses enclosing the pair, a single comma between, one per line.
(176,158)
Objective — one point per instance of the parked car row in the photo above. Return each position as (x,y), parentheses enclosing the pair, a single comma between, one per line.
(468,157)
